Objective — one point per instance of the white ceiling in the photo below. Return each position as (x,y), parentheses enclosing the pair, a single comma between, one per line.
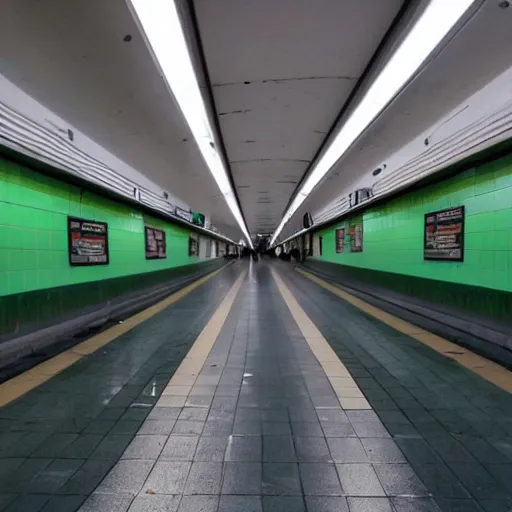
(71,57)
(281,72)
(471,59)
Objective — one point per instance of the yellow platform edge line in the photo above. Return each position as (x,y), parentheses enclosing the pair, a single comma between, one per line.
(179,388)
(489,370)
(27,381)
(349,395)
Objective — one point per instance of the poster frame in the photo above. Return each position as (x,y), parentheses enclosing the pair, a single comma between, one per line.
(462,233)
(72,263)
(156,257)
(339,240)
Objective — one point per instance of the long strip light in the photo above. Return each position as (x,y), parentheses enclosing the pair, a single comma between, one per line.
(436,21)
(161,24)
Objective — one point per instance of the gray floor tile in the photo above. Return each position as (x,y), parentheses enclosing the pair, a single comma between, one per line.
(373,429)
(359,480)
(283,504)
(157,427)
(193,414)
(242,478)
(458,506)
(415,504)
(371,505)
(441,481)
(278,449)
(326,504)
(188,427)
(82,447)
(478,480)
(332,429)
(320,479)
(167,477)
(217,428)
(312,449)
(347,450)
(179,448)
(111,447)
(199,504)
(382,450)
(107,503)
(54,476)
(129,427)
(64,503)
(240,503)
(275,415)
(399,479)
(87,478)
(145,447)
(6,500)
(53,446)
(247,428)
(164,413)
(127,476)
(281,479)
(204,478)
(211,449)
(28,503)
(276,428)
(244,449)
(307,429)
(332,416)
(155,503)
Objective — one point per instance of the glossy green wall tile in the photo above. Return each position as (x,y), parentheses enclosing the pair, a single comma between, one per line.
(34,240)
(393,232)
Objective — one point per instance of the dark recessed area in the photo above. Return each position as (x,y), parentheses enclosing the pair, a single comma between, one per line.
(127,38)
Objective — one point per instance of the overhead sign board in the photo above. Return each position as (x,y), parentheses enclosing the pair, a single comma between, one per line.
(183,214)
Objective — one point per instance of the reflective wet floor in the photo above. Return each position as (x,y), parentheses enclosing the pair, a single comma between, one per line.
(252,419)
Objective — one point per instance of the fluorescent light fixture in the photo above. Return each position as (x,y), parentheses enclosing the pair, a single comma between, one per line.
(433,25)
(161,24)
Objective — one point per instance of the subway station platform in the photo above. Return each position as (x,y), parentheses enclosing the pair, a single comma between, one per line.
(258,389)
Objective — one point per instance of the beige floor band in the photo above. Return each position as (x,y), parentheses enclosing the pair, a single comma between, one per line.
(31,379)
(186,381)
(489,370)
(346,389)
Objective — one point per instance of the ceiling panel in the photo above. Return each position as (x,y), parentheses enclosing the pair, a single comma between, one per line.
(280,73)
(73,58)
(475,56)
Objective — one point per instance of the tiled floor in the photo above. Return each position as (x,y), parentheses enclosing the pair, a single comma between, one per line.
(255,423)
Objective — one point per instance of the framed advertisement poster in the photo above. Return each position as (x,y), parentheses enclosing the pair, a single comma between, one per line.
(193,245)
(156,246)
(444,235)
(356,238)
(87,242)
(340,240)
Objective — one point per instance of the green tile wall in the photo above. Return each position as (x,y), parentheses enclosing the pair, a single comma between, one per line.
(33,234)
(393,232)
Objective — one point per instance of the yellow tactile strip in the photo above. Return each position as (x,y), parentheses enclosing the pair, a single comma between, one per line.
(25,382)
(489,370)
(348,392)
(186,380)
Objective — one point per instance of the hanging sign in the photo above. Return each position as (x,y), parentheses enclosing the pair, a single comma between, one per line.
(183,214)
